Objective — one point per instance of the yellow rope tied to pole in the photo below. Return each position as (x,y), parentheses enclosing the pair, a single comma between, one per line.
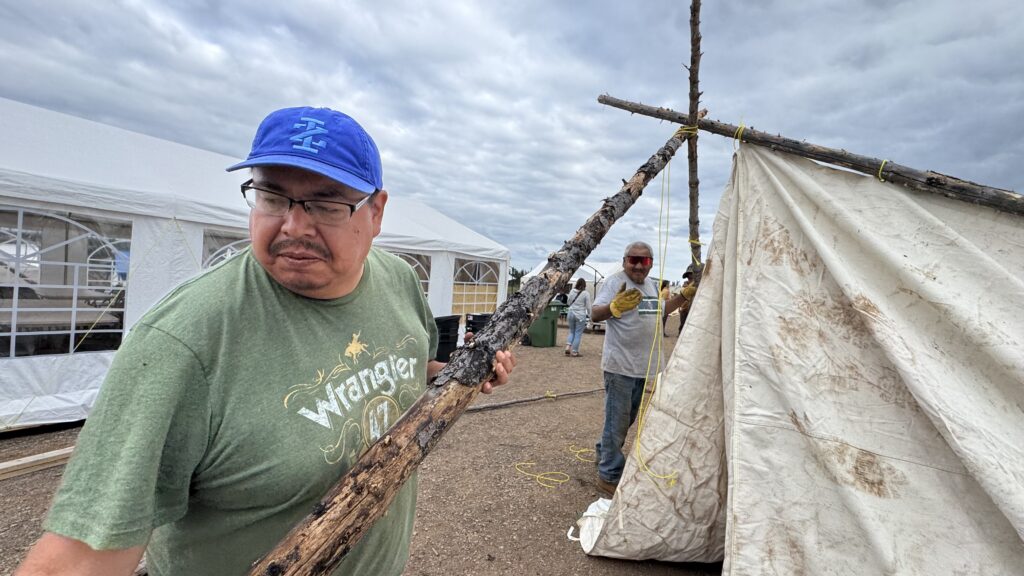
(692,257)
(737,136)
(880,179)
(684,130)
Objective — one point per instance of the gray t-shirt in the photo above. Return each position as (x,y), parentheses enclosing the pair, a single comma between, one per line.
(628,340)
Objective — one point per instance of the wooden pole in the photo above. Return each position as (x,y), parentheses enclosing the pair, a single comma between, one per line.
(925,181)
(339,520)
(35,463)
(691,145)
(498,405)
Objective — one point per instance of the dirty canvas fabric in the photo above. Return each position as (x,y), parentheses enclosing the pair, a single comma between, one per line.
(846,395)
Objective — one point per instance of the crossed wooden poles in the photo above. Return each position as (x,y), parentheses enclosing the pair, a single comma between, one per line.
(347,511)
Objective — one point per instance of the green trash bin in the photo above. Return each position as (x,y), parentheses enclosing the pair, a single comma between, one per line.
(544,330)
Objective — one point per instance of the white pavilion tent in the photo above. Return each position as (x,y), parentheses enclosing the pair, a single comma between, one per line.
(593,271)
(97,223)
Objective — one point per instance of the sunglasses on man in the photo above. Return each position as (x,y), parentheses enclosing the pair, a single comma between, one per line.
(639,260)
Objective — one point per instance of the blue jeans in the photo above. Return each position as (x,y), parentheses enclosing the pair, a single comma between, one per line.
(575,332)
(622,396)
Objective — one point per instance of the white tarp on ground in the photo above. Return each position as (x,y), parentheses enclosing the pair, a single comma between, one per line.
(847,396)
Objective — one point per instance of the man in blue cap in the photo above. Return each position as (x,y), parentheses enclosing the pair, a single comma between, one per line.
(241,397)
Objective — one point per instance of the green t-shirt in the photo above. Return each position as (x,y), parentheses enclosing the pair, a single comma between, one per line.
(231,408)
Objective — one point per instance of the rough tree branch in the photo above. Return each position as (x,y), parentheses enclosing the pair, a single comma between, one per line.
(924,181)
(318,543)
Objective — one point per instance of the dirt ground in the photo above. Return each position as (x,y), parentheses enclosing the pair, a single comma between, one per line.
(477,514)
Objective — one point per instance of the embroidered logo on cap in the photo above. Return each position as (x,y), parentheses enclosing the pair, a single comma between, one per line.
(311,128)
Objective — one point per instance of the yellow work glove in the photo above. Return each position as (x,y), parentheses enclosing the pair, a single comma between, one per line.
(625,300)
(689,292)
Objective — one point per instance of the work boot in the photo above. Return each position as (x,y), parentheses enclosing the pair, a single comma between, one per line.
(606,486)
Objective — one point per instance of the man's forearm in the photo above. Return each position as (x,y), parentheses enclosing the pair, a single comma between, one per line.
(674,302)
(600,312)
(54,554)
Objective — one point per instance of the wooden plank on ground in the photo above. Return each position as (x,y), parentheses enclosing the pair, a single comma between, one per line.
(34,463)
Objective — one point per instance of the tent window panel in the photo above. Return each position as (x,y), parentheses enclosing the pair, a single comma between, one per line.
(98,340)
(476,287)
(39,344)
(476,271)
(62,276)
(421,265)
(218,246)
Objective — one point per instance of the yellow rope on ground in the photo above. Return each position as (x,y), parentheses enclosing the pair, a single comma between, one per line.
(579,452)
(545,479)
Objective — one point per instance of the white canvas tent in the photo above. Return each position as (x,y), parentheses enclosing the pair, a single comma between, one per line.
(847,396)
(593,271)
(87,208)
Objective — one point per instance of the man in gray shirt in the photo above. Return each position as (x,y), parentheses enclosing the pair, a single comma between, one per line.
(628,304)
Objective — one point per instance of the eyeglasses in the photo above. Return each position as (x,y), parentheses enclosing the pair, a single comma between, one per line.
(326,212)
(641,260)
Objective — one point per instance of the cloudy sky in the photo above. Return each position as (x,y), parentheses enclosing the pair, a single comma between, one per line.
(488,111)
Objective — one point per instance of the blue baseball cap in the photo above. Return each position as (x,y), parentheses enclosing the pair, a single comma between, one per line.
(320,140)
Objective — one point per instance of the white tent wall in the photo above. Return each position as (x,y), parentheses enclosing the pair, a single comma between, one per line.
(172,195)
(170,252)
(503,280)
(439,295)
(442,279)
(49,389)
(865,402)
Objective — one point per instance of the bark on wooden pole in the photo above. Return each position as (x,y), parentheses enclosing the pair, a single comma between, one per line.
(925,181)
(339,520)
(691,145)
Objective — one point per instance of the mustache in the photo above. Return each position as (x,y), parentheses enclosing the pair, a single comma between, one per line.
(278,247)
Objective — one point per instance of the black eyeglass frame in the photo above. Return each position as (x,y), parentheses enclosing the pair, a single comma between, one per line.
(247,185)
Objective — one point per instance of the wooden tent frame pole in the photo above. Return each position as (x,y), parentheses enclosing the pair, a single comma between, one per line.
(925,181)
(691,145)
(319,542)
